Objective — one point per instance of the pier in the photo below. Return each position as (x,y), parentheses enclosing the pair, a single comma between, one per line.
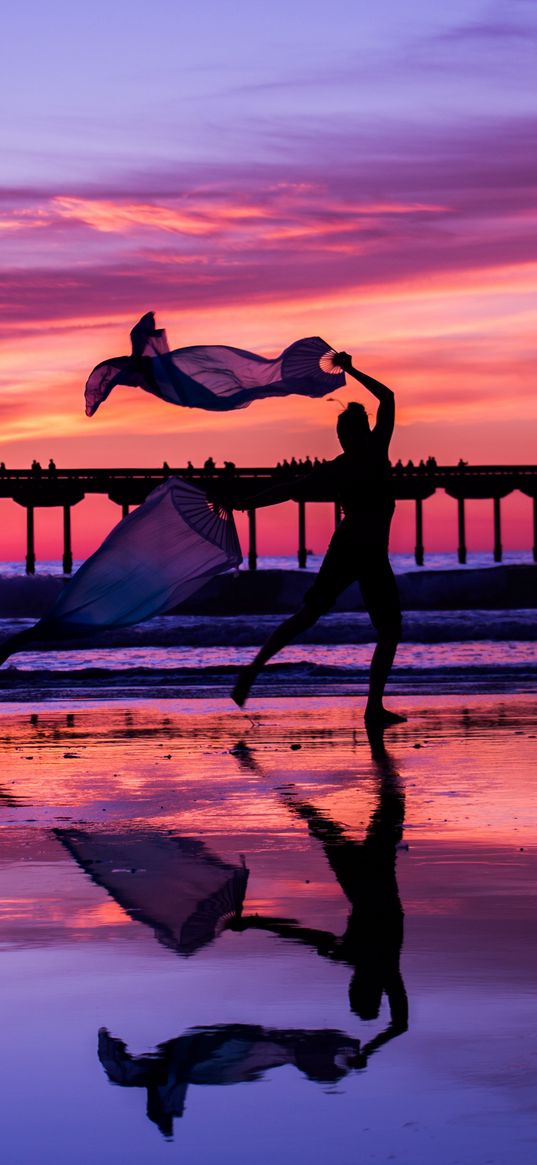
(66,488)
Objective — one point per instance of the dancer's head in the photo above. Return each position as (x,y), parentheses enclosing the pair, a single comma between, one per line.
(352,427)
(365,994)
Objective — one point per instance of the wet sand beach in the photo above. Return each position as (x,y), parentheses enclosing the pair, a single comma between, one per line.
(265,936)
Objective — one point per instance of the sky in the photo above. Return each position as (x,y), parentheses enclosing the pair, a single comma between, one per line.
(255,173)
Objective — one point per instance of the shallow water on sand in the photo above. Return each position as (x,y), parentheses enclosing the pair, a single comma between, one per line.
(157,989)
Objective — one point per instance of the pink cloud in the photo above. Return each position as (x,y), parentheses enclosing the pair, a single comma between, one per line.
(432,210)
(25,219)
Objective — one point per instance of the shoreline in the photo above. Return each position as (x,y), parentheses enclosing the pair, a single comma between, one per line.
(279,681)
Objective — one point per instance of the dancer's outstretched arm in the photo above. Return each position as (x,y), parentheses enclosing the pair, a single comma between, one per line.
(286,491)
(271,496)
(323,941)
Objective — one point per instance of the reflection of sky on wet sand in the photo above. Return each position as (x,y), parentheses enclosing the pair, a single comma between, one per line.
(457,1086)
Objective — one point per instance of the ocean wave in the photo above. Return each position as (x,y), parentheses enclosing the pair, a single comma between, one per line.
(182,631)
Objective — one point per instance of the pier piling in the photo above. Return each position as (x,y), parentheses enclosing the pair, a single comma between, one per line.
(461,550)
(252,540)
(302,550)
(67,549)
(30,540)
(535,529)
(419,552)
(497,530)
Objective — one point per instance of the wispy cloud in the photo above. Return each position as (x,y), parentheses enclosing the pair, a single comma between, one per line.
(517,26)
(389,212)
(25,219)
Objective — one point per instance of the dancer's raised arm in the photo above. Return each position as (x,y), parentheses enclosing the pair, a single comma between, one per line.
(386,411)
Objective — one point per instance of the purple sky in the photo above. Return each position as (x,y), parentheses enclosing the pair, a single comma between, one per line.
(98,91)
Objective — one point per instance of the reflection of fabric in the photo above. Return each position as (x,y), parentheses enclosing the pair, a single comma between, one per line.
(215,377)
(173,884)
(226,1054)
(151,561)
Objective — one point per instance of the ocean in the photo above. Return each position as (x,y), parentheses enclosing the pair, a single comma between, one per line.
(442,651)
(402,563)
(459,651)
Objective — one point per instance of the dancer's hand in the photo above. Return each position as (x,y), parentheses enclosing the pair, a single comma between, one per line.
(343,360)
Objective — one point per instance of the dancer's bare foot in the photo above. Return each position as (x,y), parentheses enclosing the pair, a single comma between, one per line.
(382,718)
(241,691)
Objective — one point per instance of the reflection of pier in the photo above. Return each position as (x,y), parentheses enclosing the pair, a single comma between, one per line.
(128,487)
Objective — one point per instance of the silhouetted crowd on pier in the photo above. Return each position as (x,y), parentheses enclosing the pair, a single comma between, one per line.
(422,466)
(299,465)
(285,468)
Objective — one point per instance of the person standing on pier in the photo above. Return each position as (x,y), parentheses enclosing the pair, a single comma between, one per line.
(360,480)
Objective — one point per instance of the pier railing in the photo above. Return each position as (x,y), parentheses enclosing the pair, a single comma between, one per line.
(65,488)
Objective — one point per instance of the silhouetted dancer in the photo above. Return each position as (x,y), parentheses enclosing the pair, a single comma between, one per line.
(360,480)
(366,872)
(231,1053)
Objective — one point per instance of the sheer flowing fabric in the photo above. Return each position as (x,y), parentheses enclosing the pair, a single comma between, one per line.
(151,561)
(214,377)
(175,885)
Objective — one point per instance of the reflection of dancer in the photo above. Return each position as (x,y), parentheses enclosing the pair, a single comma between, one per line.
(371,945)
(360,479)
(226,1054)
(366,872)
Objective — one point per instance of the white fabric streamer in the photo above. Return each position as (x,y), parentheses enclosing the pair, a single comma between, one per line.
(214,377)
(151,561)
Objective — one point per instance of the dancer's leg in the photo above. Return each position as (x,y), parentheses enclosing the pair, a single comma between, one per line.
(381,599)
(381,663)
(335,574)
(281,637)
